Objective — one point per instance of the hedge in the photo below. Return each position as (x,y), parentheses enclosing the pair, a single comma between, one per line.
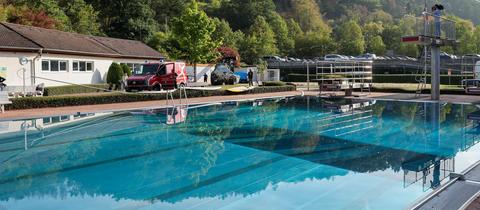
(274,84)
(73,89)
(61,101)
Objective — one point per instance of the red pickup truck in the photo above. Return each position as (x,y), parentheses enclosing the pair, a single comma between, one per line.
(158,76)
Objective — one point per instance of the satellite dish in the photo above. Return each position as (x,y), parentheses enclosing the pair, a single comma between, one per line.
(23,61)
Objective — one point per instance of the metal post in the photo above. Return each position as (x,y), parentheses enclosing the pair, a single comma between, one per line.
(24,91)
(435,73)
(308,77)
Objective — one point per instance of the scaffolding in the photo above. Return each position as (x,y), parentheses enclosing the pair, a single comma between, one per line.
(344,76)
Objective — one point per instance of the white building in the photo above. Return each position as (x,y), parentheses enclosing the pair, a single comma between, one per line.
(52,55)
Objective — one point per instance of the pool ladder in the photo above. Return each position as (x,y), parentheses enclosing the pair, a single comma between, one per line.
(182,97)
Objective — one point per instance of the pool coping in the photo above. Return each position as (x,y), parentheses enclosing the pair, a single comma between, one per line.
(454,178)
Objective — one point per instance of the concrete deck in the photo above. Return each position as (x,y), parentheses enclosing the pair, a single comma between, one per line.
(34,113)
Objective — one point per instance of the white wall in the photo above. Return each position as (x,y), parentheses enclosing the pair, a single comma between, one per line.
(271,75)
(201,70)
(10,60)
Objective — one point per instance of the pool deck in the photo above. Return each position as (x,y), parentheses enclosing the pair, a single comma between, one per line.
(34,113)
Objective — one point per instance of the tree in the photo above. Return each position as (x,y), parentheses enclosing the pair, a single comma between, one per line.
(294,29)
(229,55)
(161,42)
(241,14)
(377,46)
(476,37)
(82,16)
(307,14)
(280,29)
(391,36)
(372,32)
(313,45)
(51,8)
(192,31)
(224,34)
(114,75)
(259,42)
(25,16)
(350,39)
(166,10)
(126,70)
(127,19)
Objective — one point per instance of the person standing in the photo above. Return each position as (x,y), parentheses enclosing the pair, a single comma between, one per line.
(2,84)
(250,78)
(437,14)
(205,77)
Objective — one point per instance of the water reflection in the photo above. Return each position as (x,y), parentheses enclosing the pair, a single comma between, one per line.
(238,149)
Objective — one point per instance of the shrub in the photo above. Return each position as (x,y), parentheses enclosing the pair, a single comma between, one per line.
(126,69)
(73,89)
(60,101)
(114,75)
(274,83)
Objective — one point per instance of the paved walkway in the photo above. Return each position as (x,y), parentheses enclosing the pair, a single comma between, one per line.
(37,113)
(33,113)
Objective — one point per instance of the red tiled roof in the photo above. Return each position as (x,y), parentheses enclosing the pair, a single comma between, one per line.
(127,47)
(10,39)
(55,41)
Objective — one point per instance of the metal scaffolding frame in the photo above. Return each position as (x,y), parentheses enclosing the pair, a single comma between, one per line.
(344,76)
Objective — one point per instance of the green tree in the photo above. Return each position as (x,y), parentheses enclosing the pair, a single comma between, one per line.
(241,14)
(294,29)
(128,19)
(377,46)
(476,37)
(391,36)
(224,34)
(114,75)
(259,42)
(350,39)
(51,8)
(126,70)
(307,14)
(372,32)
(161,42)
(465,36)
(82,16)
(192,31)
(280,29)
(313,44)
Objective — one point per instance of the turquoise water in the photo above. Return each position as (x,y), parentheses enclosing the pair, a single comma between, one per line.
(290,153)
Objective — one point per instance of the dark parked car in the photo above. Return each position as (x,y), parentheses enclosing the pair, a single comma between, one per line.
(222,74)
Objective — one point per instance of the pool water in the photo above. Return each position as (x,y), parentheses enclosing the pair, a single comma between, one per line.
(285,153)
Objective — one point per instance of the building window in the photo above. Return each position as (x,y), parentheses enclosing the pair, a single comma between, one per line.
(45,65)
(83,66)
(54,65)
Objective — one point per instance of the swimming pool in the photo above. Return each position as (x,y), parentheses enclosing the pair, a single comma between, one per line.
(285,153)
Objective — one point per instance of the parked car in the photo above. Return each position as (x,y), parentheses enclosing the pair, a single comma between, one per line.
(471,56)
(335,57)
(367,56)
(158,76)
(222,74)
(273,58)
(243,76)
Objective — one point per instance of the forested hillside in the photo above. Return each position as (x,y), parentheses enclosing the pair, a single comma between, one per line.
(303,28)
